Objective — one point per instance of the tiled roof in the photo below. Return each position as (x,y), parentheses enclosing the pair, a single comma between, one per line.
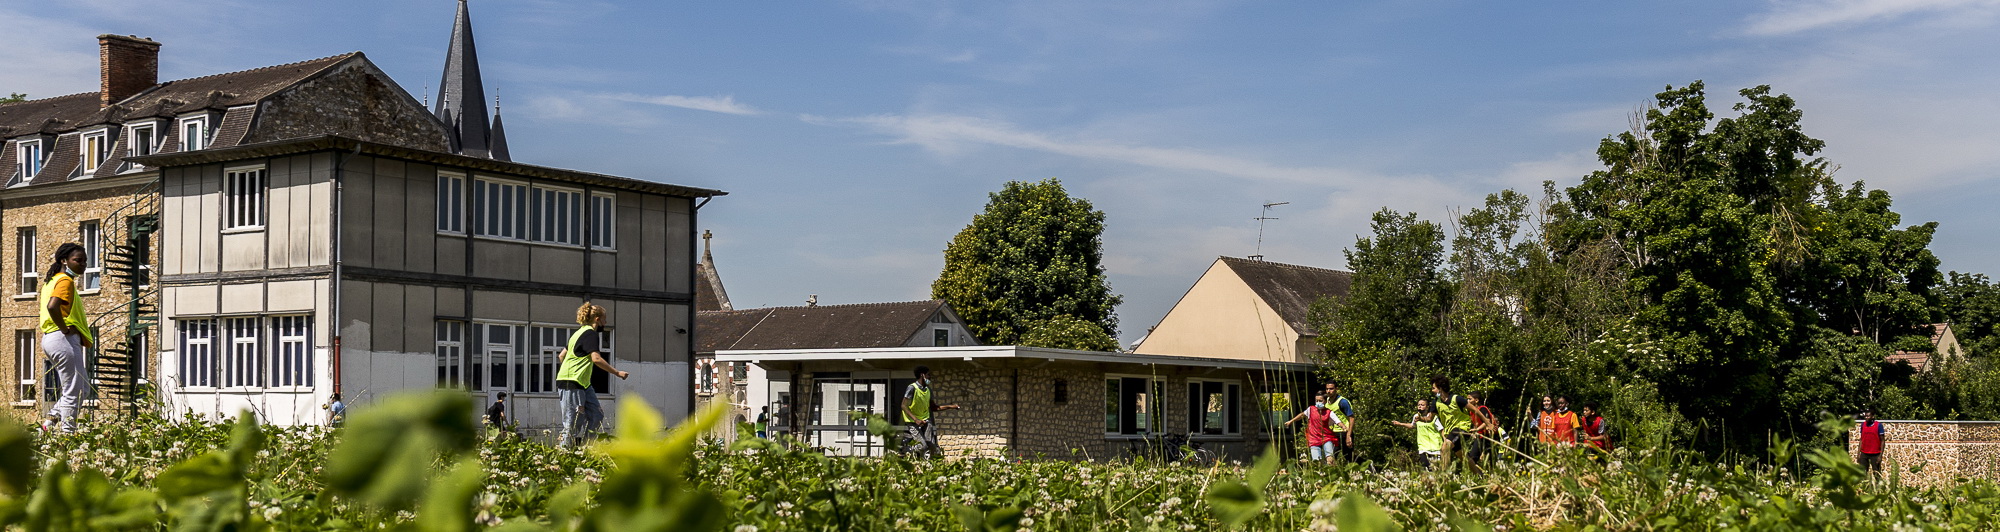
(1290,289)
(61,161)
(1916,359)
(235,124)
(819,327)
(220,91)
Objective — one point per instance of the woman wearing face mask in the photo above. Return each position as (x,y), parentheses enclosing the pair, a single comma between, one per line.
(65,331)
(1321,424)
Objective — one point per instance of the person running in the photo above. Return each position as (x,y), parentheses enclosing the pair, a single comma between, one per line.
(1322,424)
(1485,429)
(918,405)
(581,412)
(1594,430)
(1430,443)
(1451,414)
(1343,440)
(1873,435)
(65,329)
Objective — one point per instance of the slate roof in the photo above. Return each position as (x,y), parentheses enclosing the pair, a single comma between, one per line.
(867,325)
(1290,289)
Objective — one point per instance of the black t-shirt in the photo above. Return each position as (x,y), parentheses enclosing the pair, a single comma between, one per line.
(496,413)
(589,343)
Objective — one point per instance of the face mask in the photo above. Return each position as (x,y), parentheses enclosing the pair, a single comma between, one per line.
(71,272)
(1321,404)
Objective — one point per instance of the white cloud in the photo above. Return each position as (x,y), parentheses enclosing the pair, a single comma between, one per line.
(952,134)
(1796,16)
(725,104)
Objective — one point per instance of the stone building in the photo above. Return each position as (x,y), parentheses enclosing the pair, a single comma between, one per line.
(1937,453)
(1248,310)
(1029,402)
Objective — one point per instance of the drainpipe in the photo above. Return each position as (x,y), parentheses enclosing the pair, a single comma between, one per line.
(1014,415)
(333,320)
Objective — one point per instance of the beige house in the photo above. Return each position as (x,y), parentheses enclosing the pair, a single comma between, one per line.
(1247,309)
(1944,346)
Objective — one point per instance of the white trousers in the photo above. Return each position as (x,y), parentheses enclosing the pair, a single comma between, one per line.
(66,356)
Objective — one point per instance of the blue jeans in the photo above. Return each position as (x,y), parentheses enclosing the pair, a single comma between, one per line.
(1321,451)
(581,413)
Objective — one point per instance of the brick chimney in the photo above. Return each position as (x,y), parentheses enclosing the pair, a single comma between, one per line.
(127,64)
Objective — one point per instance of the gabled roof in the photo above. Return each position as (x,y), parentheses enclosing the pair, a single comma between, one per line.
(1290,289)
(867,325)
(222,91)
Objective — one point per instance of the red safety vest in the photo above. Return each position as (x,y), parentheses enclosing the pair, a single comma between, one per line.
(1871,438)
(1595,427)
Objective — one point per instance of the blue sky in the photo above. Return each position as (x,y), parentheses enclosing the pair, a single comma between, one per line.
(856,137)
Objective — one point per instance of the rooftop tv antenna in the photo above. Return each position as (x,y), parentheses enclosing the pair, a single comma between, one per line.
(1266,215)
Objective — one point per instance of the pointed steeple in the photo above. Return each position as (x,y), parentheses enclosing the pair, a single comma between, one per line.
(497,145)
(461,100)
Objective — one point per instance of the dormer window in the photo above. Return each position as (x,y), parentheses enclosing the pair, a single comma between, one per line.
(95,147)
(194,133)
(142,139)
(29,153)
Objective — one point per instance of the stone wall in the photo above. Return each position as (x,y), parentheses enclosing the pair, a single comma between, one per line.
(1938,451)
(57,219)
(356,101)
(993,394)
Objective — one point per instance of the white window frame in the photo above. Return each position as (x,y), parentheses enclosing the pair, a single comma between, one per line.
(196,352)
(28,158)
(25,341)
(491,355)
(449,338)
(503,215)
(91,234)
(243,194)
(557,215)
(1156,385)
(242,363)
(291,354)
(451,203)
(602,225)
(27,260)
(544,359)
(95,145)
(133,136)
(199,141)
(1198,398)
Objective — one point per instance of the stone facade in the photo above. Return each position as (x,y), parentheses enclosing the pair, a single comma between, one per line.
(354,100)
(57,212)
(1939,452)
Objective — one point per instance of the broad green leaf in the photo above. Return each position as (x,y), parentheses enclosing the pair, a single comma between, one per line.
(969,517)
(387,448)
(17,458)
(1356,513)
(448,506)
(1265,468)
(197,476)
(1234,503)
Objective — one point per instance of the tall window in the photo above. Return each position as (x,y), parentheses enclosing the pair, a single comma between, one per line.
(24,249)
(503,208)
(451,203)
(557,212)
(544,361)
(602,231)
(293,364)
(24,364)
(244,198)
(94,146)
(241,364)
(197,353)
(29,153)
(141,140)
(194,133)
(1214,407)
(1132,407)
(451,354)
(92,236)
(497,349)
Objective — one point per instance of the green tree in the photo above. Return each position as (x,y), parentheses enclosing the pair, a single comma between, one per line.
(1971,302)
(1033,255)
(14,98)
(1068,332)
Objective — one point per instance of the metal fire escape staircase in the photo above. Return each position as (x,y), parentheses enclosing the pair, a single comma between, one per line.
(123,329)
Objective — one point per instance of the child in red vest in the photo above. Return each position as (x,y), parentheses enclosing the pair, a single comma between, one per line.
(1594,430)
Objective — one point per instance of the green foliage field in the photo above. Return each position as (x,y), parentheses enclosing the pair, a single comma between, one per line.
(416,464)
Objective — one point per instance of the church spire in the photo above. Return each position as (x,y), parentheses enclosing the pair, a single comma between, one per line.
(461,101)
